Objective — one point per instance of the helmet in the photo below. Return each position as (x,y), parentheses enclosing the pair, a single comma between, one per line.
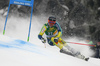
(51,21)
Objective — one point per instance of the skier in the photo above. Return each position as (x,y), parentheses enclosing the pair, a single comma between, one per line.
(53,33)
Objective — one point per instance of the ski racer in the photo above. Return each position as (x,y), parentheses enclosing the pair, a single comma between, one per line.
(53,33)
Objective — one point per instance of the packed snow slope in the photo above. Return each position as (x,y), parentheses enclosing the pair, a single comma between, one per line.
(14,52)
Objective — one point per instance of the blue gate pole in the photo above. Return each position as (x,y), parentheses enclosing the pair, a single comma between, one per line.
(30,23)
(6,20)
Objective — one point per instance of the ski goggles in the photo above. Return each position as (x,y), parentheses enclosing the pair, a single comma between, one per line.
(51,22)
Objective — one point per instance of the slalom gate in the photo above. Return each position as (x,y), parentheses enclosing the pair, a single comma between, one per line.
(24,3)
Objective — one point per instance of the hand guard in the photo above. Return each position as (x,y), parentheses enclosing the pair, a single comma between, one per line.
(43,40)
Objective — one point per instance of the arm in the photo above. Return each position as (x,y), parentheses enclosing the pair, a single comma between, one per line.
(55,39)
(59,31)
(42,32)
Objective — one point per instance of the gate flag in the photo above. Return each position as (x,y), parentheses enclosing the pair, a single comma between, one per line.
(24,3)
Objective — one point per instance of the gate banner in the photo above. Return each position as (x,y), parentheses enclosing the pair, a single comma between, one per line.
(22,2)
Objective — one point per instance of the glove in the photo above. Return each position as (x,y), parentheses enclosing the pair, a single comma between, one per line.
(43,40)
(56,39)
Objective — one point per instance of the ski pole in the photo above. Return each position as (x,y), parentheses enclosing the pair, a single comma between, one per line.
(81,44)
(44,45)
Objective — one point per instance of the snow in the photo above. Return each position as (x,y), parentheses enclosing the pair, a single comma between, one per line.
(16,51)
(21,53)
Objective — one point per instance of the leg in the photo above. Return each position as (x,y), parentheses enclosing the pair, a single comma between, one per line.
(59,45)
(61,41)
(68,50)
(50,42)
(64,48)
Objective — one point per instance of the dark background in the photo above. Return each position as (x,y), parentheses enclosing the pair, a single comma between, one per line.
(80,18)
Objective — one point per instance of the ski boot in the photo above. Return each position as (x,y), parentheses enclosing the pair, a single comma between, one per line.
(78,55)
(86,59)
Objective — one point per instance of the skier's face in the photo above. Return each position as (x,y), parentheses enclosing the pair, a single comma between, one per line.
(51,23)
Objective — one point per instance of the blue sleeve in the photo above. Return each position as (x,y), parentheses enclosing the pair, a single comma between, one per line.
(58,27)
(39,36)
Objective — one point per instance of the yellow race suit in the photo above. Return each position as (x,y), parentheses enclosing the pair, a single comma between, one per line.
(51,33)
